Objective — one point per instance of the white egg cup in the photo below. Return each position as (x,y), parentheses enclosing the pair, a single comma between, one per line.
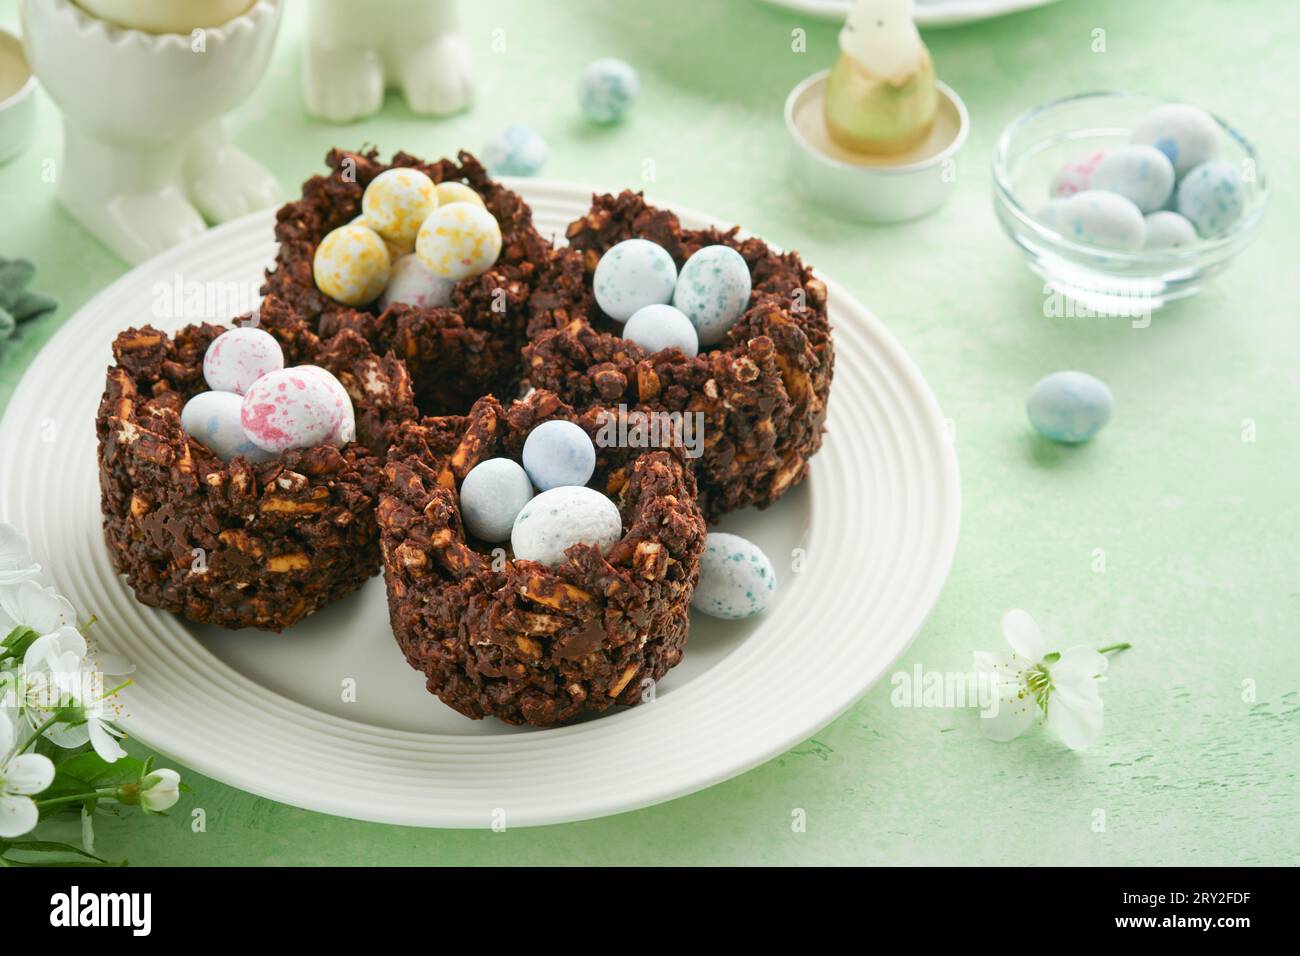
(146,159)
(355,51)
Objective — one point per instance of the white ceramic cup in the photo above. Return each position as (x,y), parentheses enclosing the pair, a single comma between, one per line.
(17,102)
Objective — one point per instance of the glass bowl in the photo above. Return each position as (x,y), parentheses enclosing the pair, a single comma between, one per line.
(1033,148)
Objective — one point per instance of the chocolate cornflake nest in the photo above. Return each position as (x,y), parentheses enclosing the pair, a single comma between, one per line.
(241,544)
(762,393)
(512,638)
(454,354)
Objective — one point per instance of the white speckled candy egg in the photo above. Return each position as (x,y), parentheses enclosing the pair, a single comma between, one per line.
(238,358)
(458,241)
(1168,230)
(558,519)
(1069,407)
(491,497)
(397,202)
(558,453)
(713,290)
(607,89)
(1212,196)
(413,283)
(1186,134)
(1102,219)
(1075,175)
(736,578)
(346,429)
(212,419)
(291,408)
(1050,214)
(451,192)
(517,151)
(658,327)
(351,265)
(1141,173)
(631,275)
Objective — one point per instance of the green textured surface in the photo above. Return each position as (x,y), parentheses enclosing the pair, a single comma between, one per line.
(1199,527)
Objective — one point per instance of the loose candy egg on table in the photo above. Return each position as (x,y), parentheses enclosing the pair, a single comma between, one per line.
(239,357)
(1102,219)
(631,275)
(397,202)
(1169,230)
(1075,175)
(1140,173)
(1212,197)
(491,497)
(517,151)
(1069,407)
(213,420)
(291,408)
(659,327)
(607,89)
(346,429)
(713,290)
(736,578)
(458,241)
(351,265)
(451,192)
(558,453)
(1186,134)
(558,519)
(411,282)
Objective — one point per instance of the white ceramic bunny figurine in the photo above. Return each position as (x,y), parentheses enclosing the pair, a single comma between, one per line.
(356,50)
(143,85)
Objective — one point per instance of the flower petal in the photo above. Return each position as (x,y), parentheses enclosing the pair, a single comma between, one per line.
(16,562)
(1079,664)
(28,774)
(1022,633)
(41,609)
(18,815)
(161,789)
(1011,708)
(6,734)
(105,744)
(1074,713)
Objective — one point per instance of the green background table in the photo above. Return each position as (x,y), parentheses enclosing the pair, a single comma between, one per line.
(1174,530)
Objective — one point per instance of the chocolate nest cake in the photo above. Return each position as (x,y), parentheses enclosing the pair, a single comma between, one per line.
(515,639)
(241,544)
(762,394)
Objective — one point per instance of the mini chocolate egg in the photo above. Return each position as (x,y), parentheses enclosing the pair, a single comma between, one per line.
(351,265)
(1169,230)
(451,192)
(558,453)
(659,327)
(397,202)
(291,408)
(1186,134)
(736,578)
(491,497)
(413,283)
(631,275)
(239,357)
(1075,175)
(517,151)
(346,429)
(1213,197)
(557,519)
(713,290)
(1100,218)
(1069,407)
(459,240)
(212,419)
(1140,173)
(607,89)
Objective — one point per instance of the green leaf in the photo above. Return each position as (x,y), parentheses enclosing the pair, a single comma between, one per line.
(98,772)
(15,275)
(8,324)
(19,639)
(50,846)
(33,305)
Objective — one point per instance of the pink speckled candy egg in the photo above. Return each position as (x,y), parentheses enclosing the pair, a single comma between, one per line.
(346,430)
(292,408)
(1076,175)
(413,283)
(238,358)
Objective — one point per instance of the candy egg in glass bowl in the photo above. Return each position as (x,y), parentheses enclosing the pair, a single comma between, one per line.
(1089,239)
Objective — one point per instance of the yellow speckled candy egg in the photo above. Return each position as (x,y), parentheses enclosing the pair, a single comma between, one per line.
(351,265)
(449,193)
(395,249)
(397,201)
(458,241)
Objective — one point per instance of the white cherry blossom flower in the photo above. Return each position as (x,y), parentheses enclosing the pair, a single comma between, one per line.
(22,776)
(16,562)
(160,790)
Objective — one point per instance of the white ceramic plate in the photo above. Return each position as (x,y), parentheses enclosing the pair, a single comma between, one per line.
(875,527)
(927,13)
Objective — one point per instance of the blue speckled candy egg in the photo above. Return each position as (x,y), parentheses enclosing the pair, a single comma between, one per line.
(1069,407)
(1186,134)
(560,518)
(1103,219)
(658,327)
(491,497)
(713,290)
(1141,173)
(559,453)
(1213,197)
(1049,214)
(607,89)
(213,420)
(631,275)
(517,151)
(736,578)
(1168,230)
